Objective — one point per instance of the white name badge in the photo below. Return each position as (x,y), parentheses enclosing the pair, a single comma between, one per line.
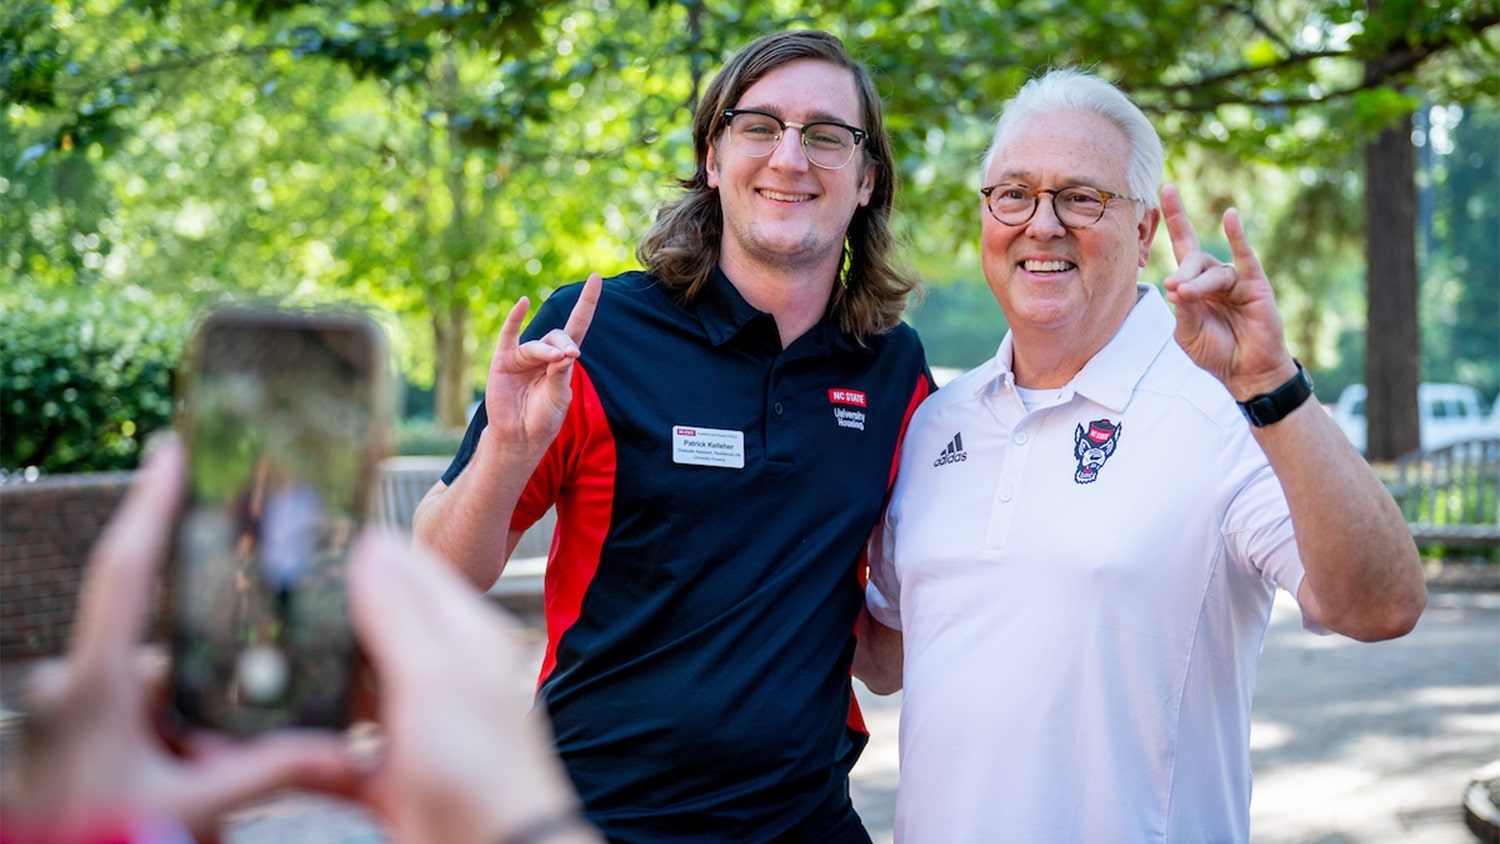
(692,446)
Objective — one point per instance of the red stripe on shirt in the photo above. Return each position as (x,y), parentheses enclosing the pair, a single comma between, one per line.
(577,475)
(922,391)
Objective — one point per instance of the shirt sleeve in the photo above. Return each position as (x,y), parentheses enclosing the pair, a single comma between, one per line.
(883,592)
(1260,530)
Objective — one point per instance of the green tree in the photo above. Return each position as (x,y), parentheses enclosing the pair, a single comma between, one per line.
(1293,83)
(445,160)
(1461,323)
(309,152)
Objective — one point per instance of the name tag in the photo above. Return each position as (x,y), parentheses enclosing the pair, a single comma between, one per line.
(708,447)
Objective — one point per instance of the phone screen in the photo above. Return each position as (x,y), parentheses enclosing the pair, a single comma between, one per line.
(284,420)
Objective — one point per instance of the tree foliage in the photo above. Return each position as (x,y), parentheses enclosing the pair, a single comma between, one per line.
(443,160)
(1461,320)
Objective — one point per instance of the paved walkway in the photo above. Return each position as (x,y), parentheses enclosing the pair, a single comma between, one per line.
(1351,743)
(1358,744)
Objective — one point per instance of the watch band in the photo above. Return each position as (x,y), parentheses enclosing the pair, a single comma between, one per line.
(1270,408)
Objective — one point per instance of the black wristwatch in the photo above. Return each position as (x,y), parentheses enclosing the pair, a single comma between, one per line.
(1270,408)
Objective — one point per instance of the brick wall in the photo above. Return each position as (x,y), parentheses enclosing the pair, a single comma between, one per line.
(46,530)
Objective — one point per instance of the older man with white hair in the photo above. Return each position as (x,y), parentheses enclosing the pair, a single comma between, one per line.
(1077,566)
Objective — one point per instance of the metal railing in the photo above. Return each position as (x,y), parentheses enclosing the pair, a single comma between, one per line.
(402,482)
(1451,494)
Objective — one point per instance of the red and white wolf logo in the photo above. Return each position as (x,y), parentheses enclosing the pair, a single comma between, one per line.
(1093,447)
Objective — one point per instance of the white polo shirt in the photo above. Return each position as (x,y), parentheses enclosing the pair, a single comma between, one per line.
(1083,592)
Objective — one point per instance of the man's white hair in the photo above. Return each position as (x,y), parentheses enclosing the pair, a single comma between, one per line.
(1072,89)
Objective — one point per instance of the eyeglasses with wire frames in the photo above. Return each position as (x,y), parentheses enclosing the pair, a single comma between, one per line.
(1076,206)
(756,134)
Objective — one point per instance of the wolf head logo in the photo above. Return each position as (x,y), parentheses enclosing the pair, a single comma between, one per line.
(1092,447)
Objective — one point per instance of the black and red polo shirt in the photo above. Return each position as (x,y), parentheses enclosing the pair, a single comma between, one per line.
(714,493)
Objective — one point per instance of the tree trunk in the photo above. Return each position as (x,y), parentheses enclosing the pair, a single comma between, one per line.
(1392,351)
(451,388)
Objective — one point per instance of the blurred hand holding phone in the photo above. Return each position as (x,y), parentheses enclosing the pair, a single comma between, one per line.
(461,760)
(285,415)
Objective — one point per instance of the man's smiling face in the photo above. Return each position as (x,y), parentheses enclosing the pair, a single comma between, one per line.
(781,210)
(1046,276)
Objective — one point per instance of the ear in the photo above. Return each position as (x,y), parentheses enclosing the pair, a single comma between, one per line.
(1146,232)
(867,185)
(712,166)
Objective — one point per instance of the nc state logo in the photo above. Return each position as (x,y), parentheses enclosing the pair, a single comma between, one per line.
(1092,447)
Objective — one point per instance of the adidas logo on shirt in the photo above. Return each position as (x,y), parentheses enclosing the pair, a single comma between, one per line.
(954,453)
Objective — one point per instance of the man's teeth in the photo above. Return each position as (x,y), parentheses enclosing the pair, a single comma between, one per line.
(1046,266)
(786,197)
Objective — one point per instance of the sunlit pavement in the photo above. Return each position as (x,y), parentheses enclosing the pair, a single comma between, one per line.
(1351,744)
(1375,742)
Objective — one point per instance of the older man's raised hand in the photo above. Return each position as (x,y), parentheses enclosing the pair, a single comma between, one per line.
(1227,319)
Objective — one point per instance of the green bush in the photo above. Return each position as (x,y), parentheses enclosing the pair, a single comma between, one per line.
(423,437)
(84,380)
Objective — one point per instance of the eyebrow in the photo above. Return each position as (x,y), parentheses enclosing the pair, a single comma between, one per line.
(1023,178)
(814,116)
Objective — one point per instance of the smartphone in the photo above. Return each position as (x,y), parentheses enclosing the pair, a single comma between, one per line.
(285,416)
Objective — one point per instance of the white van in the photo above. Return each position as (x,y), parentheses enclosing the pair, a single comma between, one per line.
(1448,413)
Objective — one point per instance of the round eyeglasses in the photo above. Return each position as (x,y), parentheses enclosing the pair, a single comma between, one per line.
(756,134)
(1076,207)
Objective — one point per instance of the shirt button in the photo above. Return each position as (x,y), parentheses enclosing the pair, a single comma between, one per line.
(777,408)
(1021,438)
(1005,496)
